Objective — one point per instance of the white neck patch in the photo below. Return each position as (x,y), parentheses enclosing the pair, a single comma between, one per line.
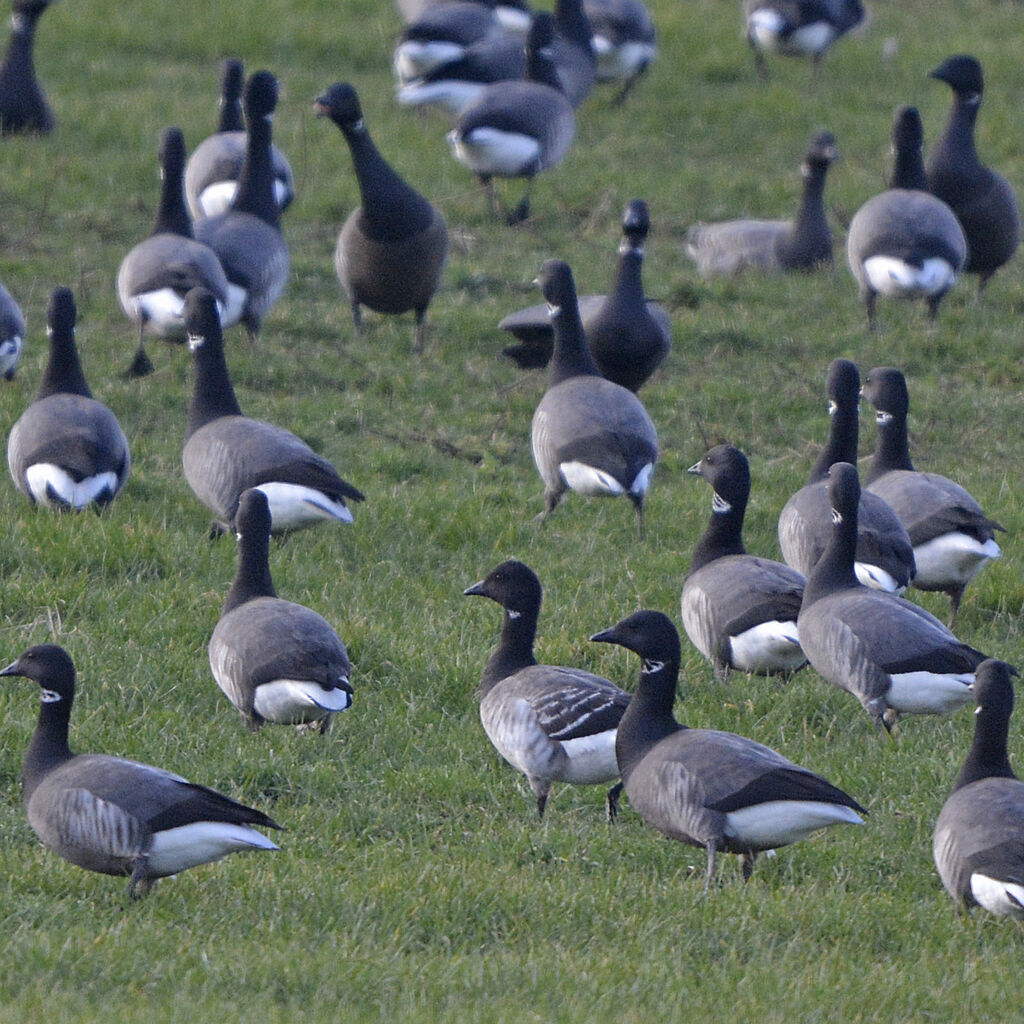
(837,517)
(513,614)
(651,667)
(195,341)
(49,696)
(719,504)
(883,417)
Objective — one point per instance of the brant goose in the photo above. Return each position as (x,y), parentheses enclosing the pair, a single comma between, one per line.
(588,435)
(572,51)
(226,453)
(892,655)
(392,248)
(12,334)
(705,788)
(554,724)
(247,236)
(517,129)
(978,844)
(805,243)
(212,171)
(115,816)
(275,660)
(885,556)
(67,449)
(23,106)
(628,335)
(951,535)
(623,39)
(738,610)
(983,201)
(158,273)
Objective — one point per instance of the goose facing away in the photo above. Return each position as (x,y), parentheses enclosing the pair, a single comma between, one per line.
(12,334)
(709,789)
(226,453)
(554,724)
(67,450)
(115,816)
(804,243)
(978,844)
(23,104)
(952,537)
(739,610)
(624,41)
(892,655)
(588,434)
(275,660)
(391,251)
(628,335)
(984,201)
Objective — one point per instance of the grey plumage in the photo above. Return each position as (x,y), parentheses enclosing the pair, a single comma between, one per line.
(12,334)
(624,40)
(798,28)
(23,104)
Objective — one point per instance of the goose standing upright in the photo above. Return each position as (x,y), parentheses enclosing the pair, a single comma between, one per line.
(115,816)
(247,236)
(12,334)
(23,105)
(275,660)
(709,789)
(804,243)
(892,655)
(738,610)
(226,453)
(588,434)
(67,449)
(978,843)
(984,202)
(392,248)
(885,556)
(953,539)
(554,724)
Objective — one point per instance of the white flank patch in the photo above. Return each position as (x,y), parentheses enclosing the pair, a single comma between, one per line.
(178,849)
(452,94)
(768,647)
(591,759)
(10,353)
(414,58)
(513,20)
(953,557)
(929,693)
(297,701)
(1003,898)
(584,479)
(876,578)
(44,477)
(642,480)
(890,276)
(615,63)
(780,822)
(162,311)
(217,198)
(492,151)
(294,507)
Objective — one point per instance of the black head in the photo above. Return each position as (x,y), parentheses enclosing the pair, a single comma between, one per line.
(30,8)
(252,517)
(231,78)
(821,152)
(843,384)
(993,688)
(962,74)
(341,104)
(61,314)
(48,665)
(648,633)
(843,489)
(202,320)
(726,469)
(171,151)
(260,96)
(541,33)
(907,130)
(556,283)
(886,389)
(512,584)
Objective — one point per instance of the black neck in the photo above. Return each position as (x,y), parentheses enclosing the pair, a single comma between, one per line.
(892,449)
(841,445)
(63,373)
(908,170)
(252,578)
(571,357)
(956,146)
(648,718)
(987,757)
(172,215)
(514,650)
(256,179)
(723,536)
(834,571)
(213,395)
(48,747)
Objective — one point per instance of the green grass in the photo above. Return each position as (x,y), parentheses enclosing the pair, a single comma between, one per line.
(414,882)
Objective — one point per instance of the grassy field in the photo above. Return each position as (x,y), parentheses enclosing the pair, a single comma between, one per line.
(414,881)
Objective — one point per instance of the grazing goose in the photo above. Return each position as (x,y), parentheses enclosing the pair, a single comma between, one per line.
(513,16)
(702,787)
(892,655)
(226,453)
(624,41)
(212,171)
(978,844)
(628,335)
(23,106)
(984,202)
(392,248)
(158,273)
(517,129)
(798,28)
(951,535)
(275,660)
(885,556)
(12,334)
(115,816)
(247,236)
(589,435)
(572,51)
(905,242)
(730,247)
(554,724)
(738,610)
(67,449)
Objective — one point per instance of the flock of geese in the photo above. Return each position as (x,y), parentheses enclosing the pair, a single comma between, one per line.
(511,81)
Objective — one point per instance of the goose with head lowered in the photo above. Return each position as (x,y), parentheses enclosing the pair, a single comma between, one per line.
(952,537)
(247,236)
(885,556)
(67,450)
(554,724)
(739,610)
(773,246)
(213,169)
(978,844)
(984,202)
(893,656)
(275,660)
(226,453)
(12,334)
(624,41)
(23,104)
(588,434)
(628,335)
(713,790)
(392,248)
(157,274)
(115,816)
